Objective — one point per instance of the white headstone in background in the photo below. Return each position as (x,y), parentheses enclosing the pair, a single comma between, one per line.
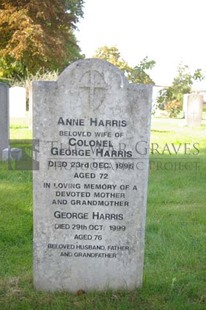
(12,154)
(184,108)
(17,102)
(194,110)
(4,118)
(91,190)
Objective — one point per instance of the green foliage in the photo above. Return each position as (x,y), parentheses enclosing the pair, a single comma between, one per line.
(135,75)
(171,98)
(112,55)
(138,73)
(75,8)
(173,108)
(36,34)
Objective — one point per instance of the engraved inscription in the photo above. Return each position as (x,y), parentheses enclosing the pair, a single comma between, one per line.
(92,86)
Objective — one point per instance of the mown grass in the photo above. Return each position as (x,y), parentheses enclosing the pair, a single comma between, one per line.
(174,272)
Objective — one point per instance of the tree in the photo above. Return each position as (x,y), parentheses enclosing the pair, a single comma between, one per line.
(171,98)
(135,75)
(37,34)
(138,73)
(112,54)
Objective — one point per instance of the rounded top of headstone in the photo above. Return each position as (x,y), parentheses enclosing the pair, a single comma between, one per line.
(81,68)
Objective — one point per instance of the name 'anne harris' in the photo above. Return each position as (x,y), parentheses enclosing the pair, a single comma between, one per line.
(92,122)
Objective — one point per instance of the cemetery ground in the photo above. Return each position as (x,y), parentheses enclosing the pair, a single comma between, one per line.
(174,270)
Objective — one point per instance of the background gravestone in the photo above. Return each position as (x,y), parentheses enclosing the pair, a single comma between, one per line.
(4,118)
(91,188)
(194,110)
(17,102)
(184,107)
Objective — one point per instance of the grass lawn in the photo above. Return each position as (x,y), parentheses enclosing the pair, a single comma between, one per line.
(175,256)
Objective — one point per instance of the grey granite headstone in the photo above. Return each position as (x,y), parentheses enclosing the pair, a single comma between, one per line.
(91,190)
(4,118)
(194,110)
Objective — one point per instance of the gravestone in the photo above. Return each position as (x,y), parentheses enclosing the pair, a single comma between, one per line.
(91,188)
(11,154)
(4,118)
(184,108)
(17,102)
(194,110)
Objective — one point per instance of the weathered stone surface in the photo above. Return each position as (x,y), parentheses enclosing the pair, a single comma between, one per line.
(4,118)
(90,192)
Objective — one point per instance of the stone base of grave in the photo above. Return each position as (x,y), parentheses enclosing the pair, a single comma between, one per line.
(11,154)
